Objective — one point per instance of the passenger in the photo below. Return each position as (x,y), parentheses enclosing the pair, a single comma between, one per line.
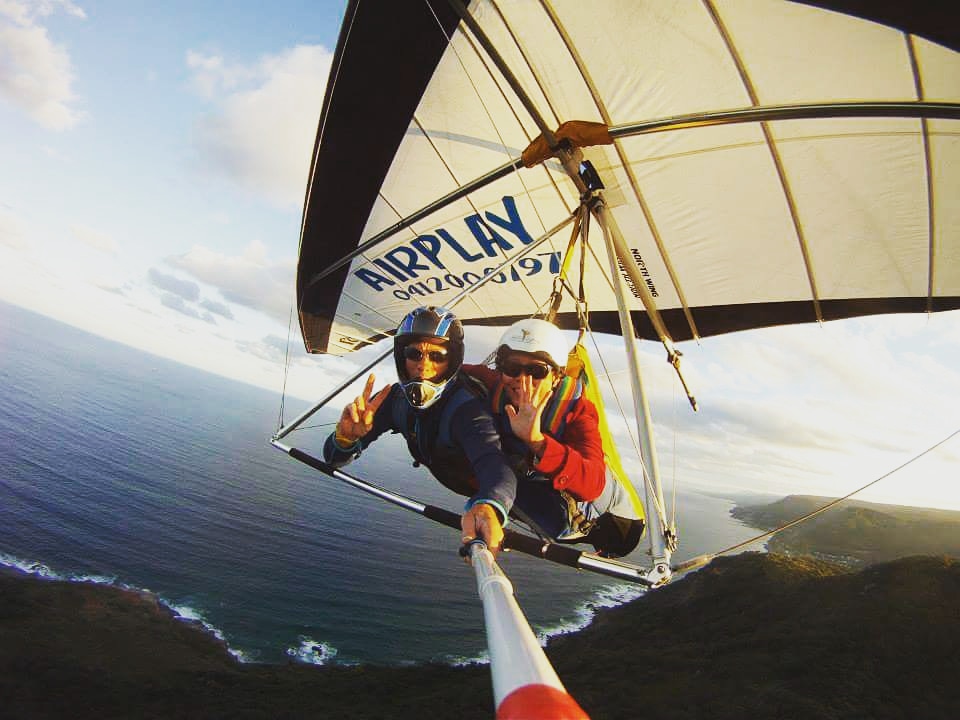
(444,418)
(551,434)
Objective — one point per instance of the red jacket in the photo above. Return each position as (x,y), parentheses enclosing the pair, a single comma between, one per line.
(574,461)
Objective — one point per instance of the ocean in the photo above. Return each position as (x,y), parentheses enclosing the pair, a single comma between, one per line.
(121,467)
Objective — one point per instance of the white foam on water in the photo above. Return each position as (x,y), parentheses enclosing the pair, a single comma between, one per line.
(460,661)
(29,567)
(609,596)
(185,613)
(312,652)
(606,597)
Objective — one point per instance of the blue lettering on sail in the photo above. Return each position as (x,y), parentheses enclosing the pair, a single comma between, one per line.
(387,267)
(449,239)
(374,280)
(477,227)
(513,223)
(408,263)
(489,235)
(429,247)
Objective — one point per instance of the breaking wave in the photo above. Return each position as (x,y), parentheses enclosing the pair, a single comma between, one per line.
(312,652)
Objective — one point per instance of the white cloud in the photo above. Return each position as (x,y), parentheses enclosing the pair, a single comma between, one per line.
(270,348)
(253,279)
(23,12)
(262,132)
(94,238)
(212,76)
(808,409)
(35,73)
(217,308)
(184,289)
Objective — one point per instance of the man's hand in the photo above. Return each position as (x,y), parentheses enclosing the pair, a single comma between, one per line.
(481,521)
(357,417)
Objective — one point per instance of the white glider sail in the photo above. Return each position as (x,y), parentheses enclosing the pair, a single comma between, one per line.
(769,162)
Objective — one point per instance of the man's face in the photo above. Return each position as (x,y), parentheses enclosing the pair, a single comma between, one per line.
(425,360)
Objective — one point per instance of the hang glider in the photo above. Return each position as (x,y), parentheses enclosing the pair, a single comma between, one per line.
(719,165)
(742,165)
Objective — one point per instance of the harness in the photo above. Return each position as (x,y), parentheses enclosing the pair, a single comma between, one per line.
(429,430)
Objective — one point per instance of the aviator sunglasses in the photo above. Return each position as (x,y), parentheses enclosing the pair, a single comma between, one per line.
(511,368)
(416,355)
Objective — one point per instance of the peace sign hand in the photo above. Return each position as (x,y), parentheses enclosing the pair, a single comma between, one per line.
(357,417)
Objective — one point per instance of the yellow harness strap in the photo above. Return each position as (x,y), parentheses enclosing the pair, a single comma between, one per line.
(578,364)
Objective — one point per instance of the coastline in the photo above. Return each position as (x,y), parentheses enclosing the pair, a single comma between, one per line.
(308,652)
(83,650)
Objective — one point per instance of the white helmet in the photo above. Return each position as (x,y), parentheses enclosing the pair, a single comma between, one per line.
(537,337)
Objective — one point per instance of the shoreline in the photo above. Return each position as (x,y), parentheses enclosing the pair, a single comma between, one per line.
(303,653)
(82,650)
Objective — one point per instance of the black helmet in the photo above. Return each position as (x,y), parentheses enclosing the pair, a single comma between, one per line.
(435,324)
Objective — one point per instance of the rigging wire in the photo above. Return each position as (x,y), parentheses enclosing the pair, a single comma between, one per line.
(318,425)
(833,503)
(673,470)
(286,368)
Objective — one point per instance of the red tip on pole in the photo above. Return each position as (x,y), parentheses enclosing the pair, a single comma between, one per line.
(540,702)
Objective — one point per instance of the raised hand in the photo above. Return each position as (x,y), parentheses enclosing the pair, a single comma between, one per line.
(524,415)
(357,417)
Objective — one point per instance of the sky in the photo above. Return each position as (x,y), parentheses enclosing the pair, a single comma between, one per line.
(154,161)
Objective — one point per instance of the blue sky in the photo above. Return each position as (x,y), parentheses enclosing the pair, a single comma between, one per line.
(155,158)
(154,162)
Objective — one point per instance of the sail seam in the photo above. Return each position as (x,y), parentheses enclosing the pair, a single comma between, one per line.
(526,60)
(774,153)
(928,167)
(485,44)
(634,183)
(556,117)
(493,77)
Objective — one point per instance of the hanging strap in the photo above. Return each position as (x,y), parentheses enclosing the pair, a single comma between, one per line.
(579,362)
(556,296)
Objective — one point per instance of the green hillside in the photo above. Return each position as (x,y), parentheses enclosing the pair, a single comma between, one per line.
(856,533)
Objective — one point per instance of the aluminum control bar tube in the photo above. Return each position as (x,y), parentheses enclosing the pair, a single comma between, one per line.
(525,685)
(520,542)
(655,506)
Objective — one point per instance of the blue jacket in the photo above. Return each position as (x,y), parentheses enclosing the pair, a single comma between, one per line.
(456,438)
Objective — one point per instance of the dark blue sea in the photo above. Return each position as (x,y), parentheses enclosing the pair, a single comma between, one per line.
(125,468)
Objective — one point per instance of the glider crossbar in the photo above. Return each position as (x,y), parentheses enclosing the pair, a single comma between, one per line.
(526,544)
(406,222)
(769,113)
(296,422)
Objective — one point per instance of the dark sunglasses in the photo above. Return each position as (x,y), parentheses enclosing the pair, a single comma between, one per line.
(415,354)
(513,369)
